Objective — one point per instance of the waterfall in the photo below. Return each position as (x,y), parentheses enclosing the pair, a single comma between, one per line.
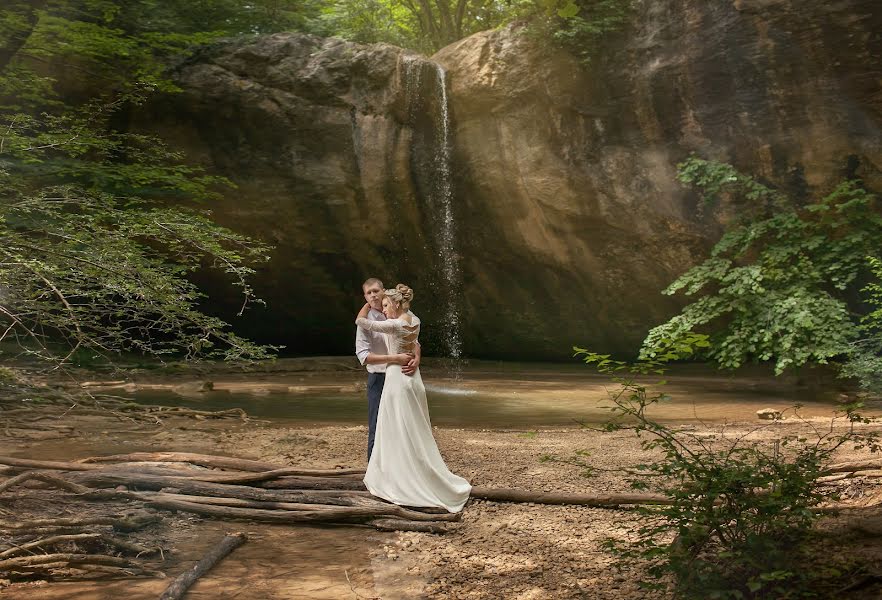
(447,255)
(440,194)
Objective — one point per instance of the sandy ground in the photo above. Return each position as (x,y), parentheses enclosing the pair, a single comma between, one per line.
(523,551)
(500,550)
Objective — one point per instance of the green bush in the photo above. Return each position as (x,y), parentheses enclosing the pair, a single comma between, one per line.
(740,513)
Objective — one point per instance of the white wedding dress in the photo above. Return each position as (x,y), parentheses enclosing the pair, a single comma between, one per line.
(406,467)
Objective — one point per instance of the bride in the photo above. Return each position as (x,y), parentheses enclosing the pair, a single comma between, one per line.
(406,467)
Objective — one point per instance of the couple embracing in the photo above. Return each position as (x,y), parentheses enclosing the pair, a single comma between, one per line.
(404,464)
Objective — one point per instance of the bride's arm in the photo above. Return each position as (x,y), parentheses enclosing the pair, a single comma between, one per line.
(380,326)
(390,326)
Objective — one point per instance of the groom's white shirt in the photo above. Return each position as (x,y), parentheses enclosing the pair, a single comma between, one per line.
(371,342)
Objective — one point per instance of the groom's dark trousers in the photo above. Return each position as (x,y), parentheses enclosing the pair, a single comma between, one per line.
(374,391)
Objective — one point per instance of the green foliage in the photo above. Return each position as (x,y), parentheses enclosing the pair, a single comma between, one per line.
(739,513)
(121,45)
(93,255)
(865,358)
(578,26)
(423,26)
(99,228)
(777,286)
(371,21)
(715,179)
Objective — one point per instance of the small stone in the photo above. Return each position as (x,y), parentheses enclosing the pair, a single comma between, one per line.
(769,414)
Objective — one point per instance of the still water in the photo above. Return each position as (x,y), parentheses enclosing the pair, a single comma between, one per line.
(500,395)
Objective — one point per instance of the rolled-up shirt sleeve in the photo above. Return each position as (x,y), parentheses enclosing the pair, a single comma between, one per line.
(362,345)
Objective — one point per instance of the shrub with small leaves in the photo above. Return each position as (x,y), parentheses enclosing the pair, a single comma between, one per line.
(741,511)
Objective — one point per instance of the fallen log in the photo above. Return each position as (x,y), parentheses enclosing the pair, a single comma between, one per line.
(68,559)
(183,582)
(329,477)
(131,523)
(598,500)
(220,462)
(313,483)
(860,465)
(316,515)
(188,485)
(49,465)
(44,477)
(378,509)
(203,460)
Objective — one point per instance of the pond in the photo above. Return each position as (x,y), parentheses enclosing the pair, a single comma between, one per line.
(497,395)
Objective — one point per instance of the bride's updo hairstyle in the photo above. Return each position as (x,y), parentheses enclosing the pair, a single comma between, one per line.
(401,296)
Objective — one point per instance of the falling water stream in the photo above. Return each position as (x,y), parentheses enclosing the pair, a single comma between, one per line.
(441,195)
(447,255)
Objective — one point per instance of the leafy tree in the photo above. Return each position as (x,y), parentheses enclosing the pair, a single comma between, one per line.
(578,26)
(424,25)
(780,285)
(93,258)
(429,25)
(100,228)
(371,21)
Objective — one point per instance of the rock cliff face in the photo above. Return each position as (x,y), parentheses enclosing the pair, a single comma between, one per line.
(331,146)
(566,217)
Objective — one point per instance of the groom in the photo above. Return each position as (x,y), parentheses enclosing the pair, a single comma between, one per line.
(370,348)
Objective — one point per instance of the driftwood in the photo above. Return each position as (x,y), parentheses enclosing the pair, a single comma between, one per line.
(314,483)
(242,489)
(598,500)
(183,582)
(329,512)
(67,559)
(850,467)
(132,523)
(49,465)
(305,476)
(188,485)
(45,478)
(221,495)
(318,515)
(221,462)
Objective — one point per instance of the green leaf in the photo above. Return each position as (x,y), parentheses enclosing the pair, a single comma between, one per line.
(569,10)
